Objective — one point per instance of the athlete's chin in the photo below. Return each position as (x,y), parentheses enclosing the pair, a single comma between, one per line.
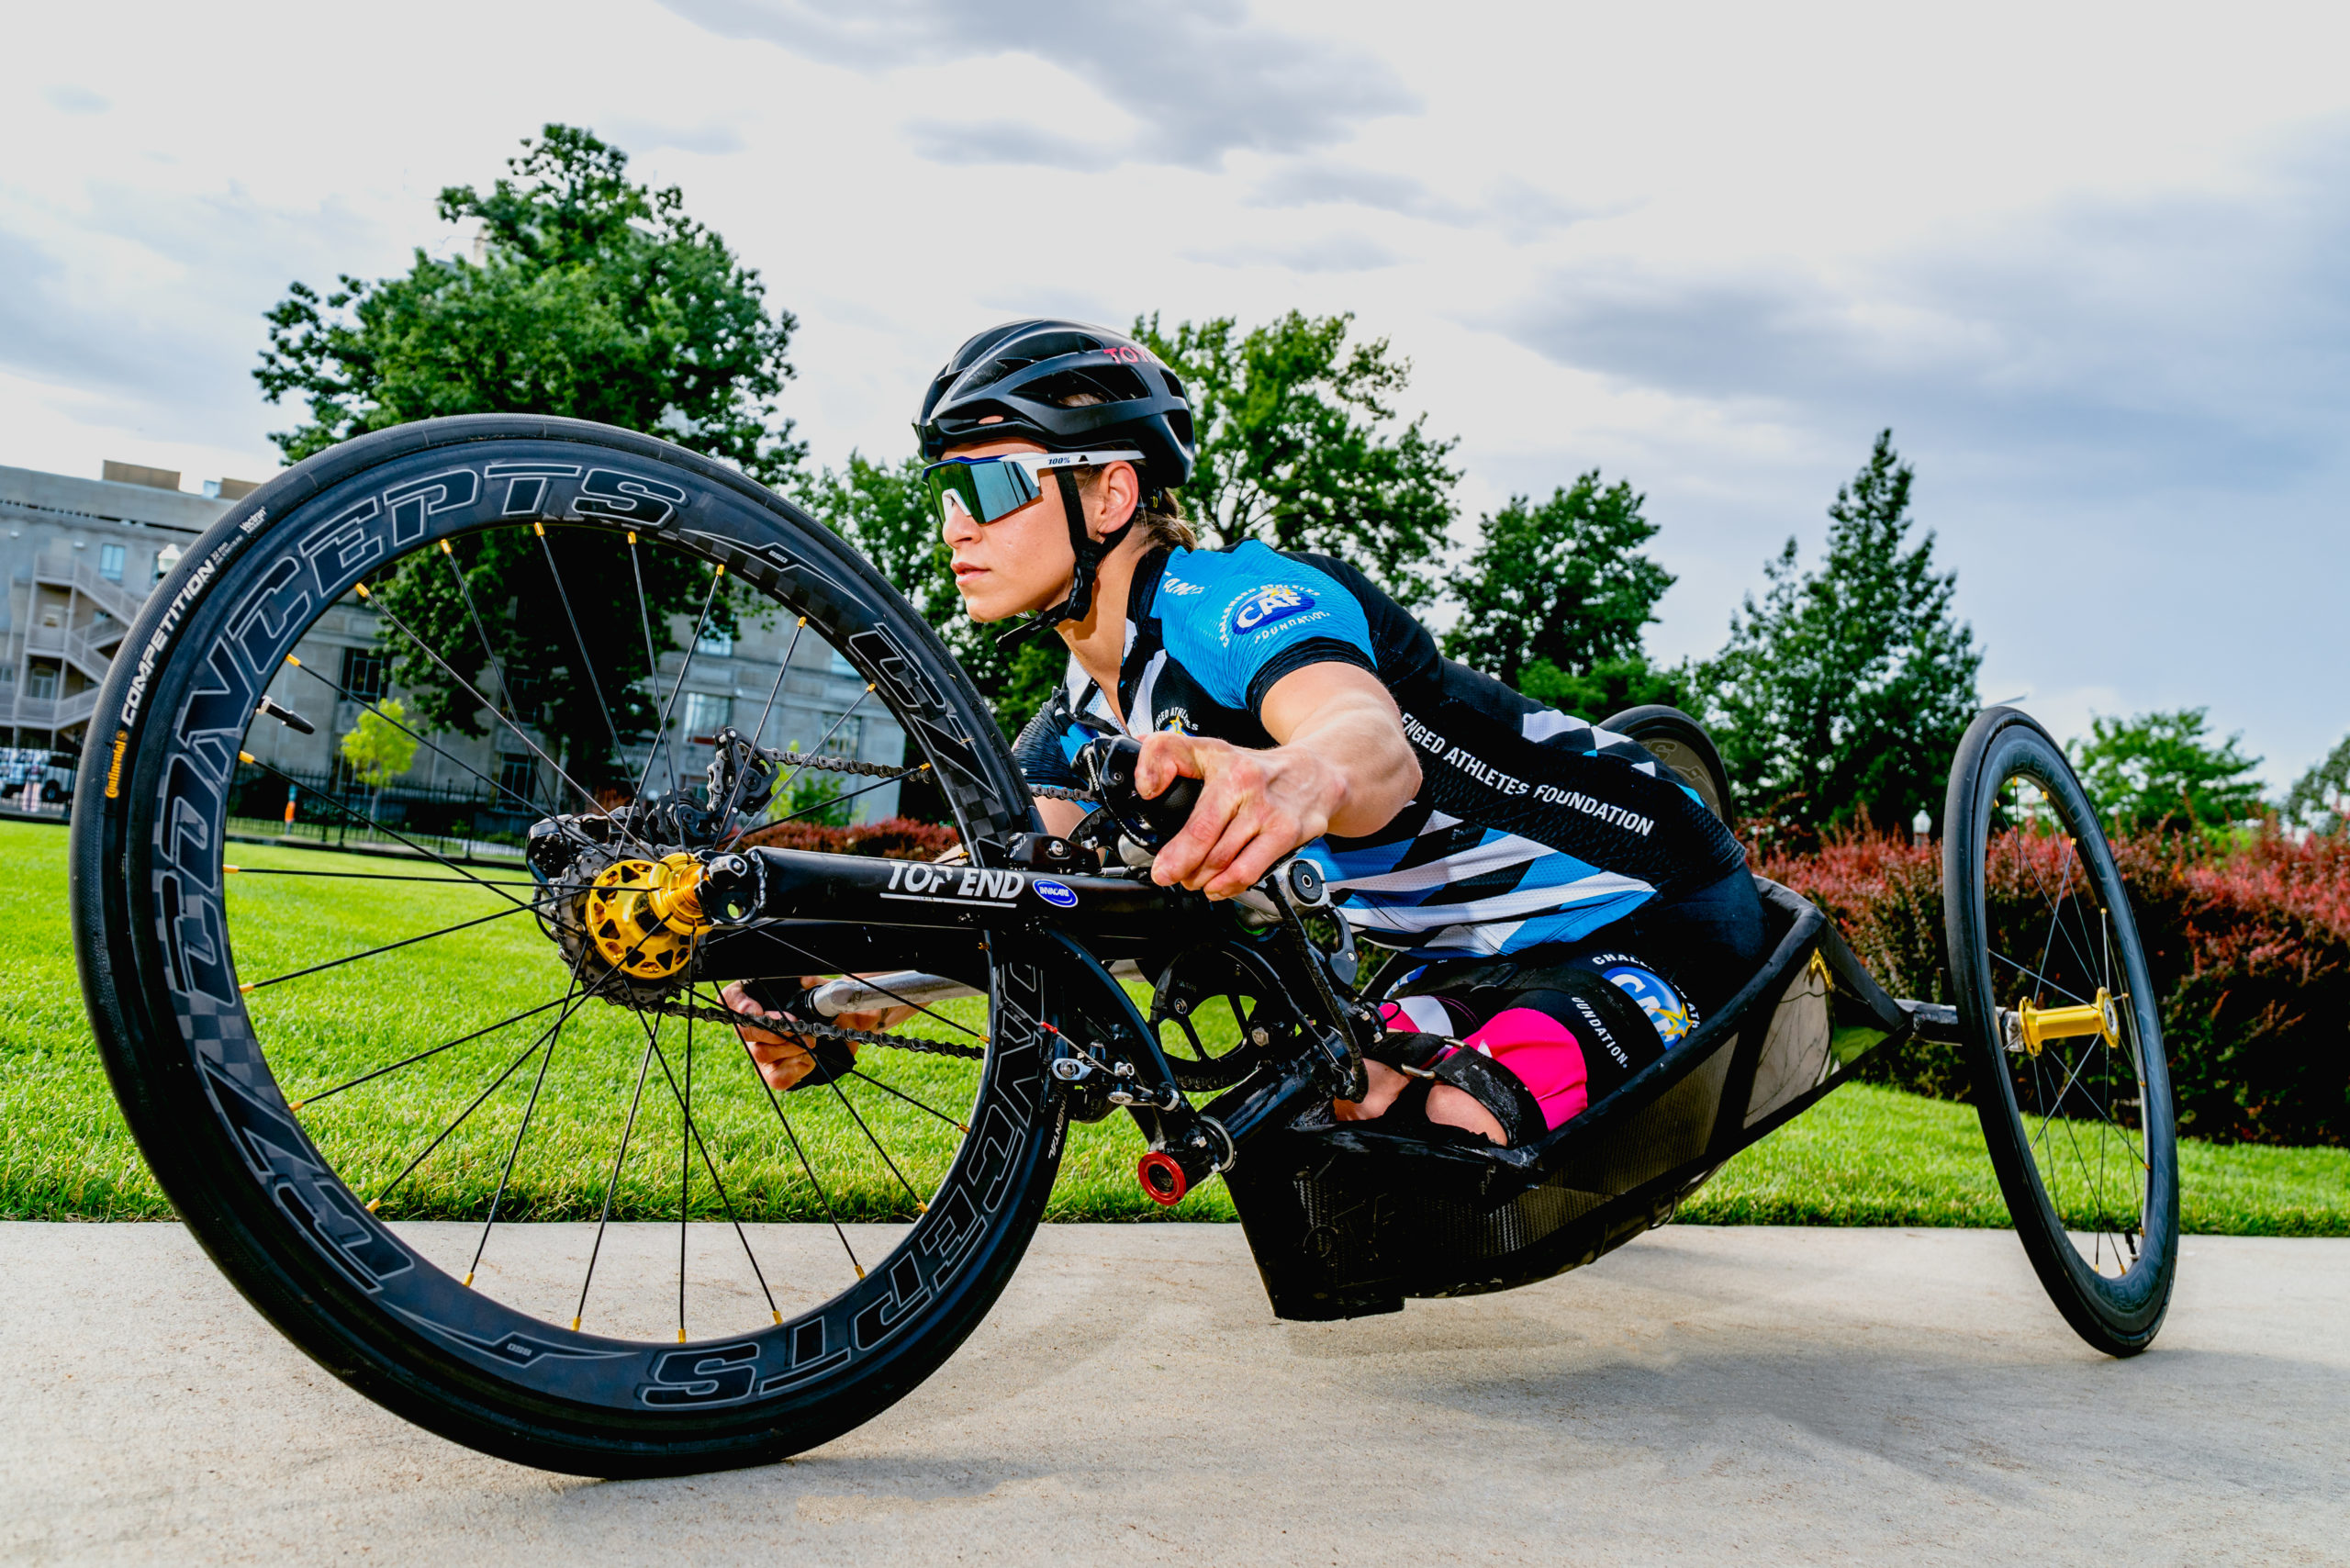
(987,602)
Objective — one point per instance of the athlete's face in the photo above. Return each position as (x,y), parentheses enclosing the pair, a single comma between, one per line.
(1021,562)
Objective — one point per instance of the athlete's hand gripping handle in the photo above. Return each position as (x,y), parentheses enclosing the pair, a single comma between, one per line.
(1109,763)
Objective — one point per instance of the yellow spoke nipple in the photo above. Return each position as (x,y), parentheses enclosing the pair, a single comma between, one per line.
(632,536)
(295,1104)
(446,551)
(860,1271)
(295,662)
(574,1326)
(777,1315)
(469,1279)
(374,1203)
(359,589)
(246,986)
(244,757)
(231,869)
(722,569)
(920,1208)
(540,529)
(681,1335)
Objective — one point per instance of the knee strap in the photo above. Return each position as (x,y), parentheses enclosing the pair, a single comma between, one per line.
(1408,1052)
(1498,1090)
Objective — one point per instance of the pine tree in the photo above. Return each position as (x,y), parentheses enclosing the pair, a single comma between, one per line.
(1843,694)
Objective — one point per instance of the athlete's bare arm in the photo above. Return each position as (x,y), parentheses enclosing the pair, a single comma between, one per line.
(1342,765)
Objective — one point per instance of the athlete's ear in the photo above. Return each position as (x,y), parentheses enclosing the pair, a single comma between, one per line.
(1113,499)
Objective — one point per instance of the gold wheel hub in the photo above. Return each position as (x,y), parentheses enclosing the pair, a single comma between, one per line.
(2031,1027)
(645,916)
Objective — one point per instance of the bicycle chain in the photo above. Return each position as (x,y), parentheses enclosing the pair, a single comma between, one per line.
(712,1014)
(823,764)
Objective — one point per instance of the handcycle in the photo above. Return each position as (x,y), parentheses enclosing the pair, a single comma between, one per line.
(336,1105)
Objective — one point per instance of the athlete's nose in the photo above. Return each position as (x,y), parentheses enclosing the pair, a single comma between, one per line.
(958,526)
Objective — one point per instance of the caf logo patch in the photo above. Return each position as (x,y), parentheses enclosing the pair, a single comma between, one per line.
(1267,605)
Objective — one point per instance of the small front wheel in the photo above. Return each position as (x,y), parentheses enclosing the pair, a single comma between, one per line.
(2060,1016)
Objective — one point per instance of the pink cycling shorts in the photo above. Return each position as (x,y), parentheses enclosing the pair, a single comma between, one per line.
(1539,1050)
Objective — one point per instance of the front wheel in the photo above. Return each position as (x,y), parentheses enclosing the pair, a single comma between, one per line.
(2060,1016)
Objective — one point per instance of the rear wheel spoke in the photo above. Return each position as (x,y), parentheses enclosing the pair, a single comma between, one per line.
(661,733)
(595,806)
(553,1039)
(611,1184)
(370,1076)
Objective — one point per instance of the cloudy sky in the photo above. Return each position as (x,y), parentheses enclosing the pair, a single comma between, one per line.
(2088,262)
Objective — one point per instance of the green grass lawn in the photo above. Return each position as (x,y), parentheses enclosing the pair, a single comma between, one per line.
(1865,1155)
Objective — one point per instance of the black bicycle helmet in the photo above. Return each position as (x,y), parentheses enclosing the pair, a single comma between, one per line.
(1024,375)
(1068,387)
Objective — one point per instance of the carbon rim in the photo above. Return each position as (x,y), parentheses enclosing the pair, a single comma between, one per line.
(227,624)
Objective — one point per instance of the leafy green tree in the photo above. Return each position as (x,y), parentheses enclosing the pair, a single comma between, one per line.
(595,297)
(2320,798)
(1299,445)
(1845,691)
(813,799)
(1608,687)
(1557,599)
(2166,767)
(378,750)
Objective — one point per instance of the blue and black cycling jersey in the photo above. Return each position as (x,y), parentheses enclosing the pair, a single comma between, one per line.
(1530,827)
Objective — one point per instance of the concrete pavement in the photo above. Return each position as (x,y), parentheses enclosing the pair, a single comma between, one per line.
(1702,1395)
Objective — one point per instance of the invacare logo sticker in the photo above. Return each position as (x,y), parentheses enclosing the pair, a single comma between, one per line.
(1267,605)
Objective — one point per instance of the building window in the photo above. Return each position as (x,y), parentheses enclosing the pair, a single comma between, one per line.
(517,776)
(110,562)
(706,714)
(716,642)
(366,674)
(166,559)
(41,682)
(848,740)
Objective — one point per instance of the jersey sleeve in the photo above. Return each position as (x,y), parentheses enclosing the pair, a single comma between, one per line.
(1047,747)
(1263,616)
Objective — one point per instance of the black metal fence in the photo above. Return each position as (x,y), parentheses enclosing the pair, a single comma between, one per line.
(332,810)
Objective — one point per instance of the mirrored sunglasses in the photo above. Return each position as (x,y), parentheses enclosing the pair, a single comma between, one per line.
(986,489)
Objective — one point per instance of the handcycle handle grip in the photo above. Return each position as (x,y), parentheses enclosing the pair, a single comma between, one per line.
(1109,763)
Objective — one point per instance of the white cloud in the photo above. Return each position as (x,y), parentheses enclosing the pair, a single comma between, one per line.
(2084,262)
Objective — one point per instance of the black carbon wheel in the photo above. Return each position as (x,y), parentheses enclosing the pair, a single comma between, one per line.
(2070,1081)
(305,1069)
(1681,743)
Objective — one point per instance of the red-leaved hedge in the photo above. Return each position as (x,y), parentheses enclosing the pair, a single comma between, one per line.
(893,838)
(2250,949)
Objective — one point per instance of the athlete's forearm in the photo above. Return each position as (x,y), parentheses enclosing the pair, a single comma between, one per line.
(1360,742)
(1340,716)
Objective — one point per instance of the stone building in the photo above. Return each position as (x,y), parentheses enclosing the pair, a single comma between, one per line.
(80,556)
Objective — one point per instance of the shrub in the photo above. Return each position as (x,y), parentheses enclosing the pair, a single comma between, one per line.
(895,838)
(2249,946)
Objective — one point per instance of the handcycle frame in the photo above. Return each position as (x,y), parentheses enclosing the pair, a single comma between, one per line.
(1345,1219)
